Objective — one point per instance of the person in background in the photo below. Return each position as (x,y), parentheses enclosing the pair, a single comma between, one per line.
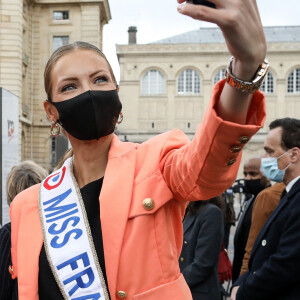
(265,202)
(273,269)
(254,183)
(203,227)
(22,176)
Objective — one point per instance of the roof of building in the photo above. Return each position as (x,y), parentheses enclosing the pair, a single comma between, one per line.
(214,35)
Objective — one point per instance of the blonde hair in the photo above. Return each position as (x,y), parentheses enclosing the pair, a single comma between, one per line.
(22,176)
(60,52)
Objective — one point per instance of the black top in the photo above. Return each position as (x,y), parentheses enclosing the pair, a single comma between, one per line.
(48,288)
(8,286)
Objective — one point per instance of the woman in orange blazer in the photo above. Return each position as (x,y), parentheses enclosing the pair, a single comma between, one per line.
(145,187)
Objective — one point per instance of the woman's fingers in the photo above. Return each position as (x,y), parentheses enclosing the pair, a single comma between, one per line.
(240,23)
(200,12)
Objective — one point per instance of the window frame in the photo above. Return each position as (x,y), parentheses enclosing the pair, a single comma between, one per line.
(295,74)
(186,84)
(63,43)
(153,88)
(267,87)
(62,12)
(219,75)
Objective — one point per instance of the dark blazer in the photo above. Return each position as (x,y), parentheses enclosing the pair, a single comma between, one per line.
(240,238)
(8,286)
(274,265)
(203,236)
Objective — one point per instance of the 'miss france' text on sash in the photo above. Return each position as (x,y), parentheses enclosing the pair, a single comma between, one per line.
(67,238)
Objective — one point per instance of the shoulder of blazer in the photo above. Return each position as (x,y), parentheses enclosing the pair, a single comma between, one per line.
(26,199)
(209,211)
(212,213)
(156,151)
(173,137)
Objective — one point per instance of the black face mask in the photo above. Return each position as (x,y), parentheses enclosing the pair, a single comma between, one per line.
(90,115)
(253,186)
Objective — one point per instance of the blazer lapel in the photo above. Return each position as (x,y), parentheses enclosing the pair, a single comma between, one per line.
(115,200)
(248,204)
(283,202)
(188,222)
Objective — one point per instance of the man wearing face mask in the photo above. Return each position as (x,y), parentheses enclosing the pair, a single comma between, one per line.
(254,180)
(254,183)
(275,258)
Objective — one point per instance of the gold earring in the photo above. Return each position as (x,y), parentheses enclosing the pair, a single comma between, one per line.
(120,118)
(55,129)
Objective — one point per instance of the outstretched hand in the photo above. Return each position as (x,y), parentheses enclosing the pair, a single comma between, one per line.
(241,25)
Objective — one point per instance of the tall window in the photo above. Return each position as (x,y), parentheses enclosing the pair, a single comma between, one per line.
(153,83)
(219,75)
(61,15)
(59,41)
(268,84)
(188,82)
(293,82)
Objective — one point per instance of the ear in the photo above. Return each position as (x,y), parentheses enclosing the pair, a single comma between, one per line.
(295,154)
(51,111)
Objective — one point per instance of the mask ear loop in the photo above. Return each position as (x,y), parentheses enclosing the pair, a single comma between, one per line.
(281,156)
(287,166)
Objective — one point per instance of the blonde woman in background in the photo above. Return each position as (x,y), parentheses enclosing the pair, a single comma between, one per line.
(22,176)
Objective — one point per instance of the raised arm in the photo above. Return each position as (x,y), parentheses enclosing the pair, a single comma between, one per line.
(240,23)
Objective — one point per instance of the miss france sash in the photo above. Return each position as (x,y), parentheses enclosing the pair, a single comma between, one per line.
(67,237)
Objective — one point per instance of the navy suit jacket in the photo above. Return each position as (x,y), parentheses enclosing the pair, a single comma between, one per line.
(203,236)
(274,265)
(8,286)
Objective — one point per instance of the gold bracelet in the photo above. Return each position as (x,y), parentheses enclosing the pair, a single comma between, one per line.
(246,86)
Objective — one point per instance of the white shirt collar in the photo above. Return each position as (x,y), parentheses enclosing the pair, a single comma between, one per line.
(291,183)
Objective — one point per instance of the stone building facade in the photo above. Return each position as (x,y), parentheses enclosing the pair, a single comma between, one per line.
(167,84)
(29,32)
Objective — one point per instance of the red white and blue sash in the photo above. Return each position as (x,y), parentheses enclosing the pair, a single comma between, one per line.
(67,237)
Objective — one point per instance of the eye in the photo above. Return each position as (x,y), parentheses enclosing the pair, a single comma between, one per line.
(68,87)
(253,174)
(100,79)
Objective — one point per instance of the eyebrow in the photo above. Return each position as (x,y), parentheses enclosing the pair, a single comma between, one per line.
(96,72)
(76,79)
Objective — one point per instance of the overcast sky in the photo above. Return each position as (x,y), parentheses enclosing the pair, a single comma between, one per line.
(158,19)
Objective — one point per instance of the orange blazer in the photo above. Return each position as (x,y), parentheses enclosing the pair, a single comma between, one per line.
(142,246)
